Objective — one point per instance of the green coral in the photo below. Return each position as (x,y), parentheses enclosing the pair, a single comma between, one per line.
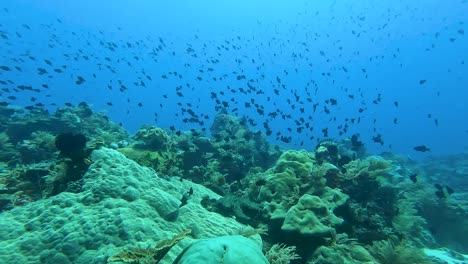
(283,180)
(244,210)
(295,173)
(281,254)
(344,251)
(313,216)
(7,150)
(153,138)
(39,147)
(165,162)
(374,167)
(393,251)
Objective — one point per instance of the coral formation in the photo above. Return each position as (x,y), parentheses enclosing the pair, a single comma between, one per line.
(7,150)
(281,254)
(330,205)
(244,210)
(148,255)
(120,205)
(310,216)
(226,249)
(396,252)
(342,252)
(152,138)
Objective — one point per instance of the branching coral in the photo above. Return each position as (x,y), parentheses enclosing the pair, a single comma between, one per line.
(149,255)
(7,150)
(281,254)
(409,223)
(396,252)
(40,146)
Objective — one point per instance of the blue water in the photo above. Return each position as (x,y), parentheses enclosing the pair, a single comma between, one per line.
(414,53)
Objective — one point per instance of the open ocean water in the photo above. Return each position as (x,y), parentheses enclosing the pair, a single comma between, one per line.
(336,130)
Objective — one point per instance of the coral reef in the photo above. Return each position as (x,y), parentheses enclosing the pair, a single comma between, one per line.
(7,151)
(78,119)
(150,254)
(394,252)
(39,147)
(244,210)
(121,205)
(152,138)
(226,157)
(224,249)
(281,254)
(67,198)
(311,216)
(342,250)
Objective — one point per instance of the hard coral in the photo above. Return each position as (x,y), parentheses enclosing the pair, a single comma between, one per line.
(243,209)
(281,254)
(7,150)
(148,255)
(152,138)
(311,216)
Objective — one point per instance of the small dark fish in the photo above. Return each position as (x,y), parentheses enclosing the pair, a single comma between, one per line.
(422,148)
(422,82)
(413,177)
(41,71)
(185,197)
(378,139)
(80,80)
(356,143)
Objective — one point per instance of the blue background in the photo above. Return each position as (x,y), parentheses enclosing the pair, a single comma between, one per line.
(398,43)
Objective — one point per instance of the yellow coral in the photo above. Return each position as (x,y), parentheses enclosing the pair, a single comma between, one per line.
(148,255)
